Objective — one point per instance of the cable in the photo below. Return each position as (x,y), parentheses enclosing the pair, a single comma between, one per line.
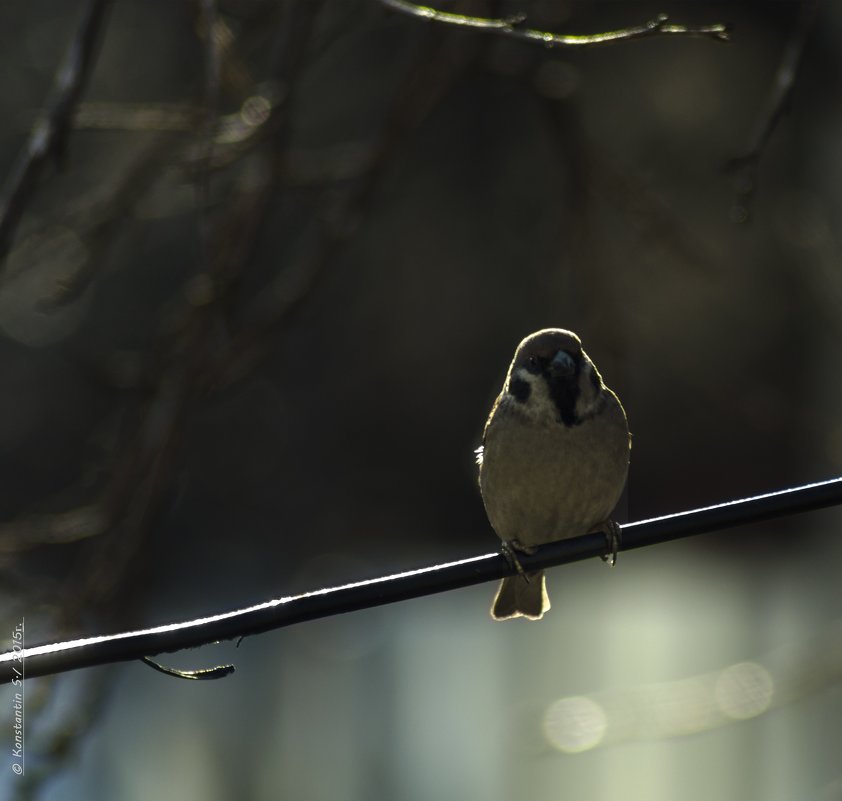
(49,659)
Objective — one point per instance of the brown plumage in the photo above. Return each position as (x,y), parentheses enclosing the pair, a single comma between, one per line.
(554,458)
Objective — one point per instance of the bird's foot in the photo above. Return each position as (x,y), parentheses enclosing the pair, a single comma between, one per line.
(614,539)
(508,550)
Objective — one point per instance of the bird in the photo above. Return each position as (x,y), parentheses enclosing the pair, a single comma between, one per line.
(553,461)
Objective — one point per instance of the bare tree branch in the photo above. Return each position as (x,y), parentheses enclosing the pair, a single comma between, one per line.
(745,166)
(49,135)
(205,674)
(208,24)
(514,27)
(42,660)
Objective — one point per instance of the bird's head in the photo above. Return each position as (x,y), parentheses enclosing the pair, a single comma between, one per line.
(551,377)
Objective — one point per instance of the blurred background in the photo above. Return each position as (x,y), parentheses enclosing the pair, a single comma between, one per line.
(251,329)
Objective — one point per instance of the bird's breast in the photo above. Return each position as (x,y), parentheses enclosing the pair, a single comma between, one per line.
(544,482)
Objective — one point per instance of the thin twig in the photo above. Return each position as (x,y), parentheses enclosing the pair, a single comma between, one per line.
(43,660)
(513,26)
(208,32)
(204,674)
(744,167)
(49,135)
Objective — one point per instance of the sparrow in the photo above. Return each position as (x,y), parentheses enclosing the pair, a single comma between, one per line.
(553,461)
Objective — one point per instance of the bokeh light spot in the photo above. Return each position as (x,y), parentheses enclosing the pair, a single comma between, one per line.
(744,690)
(575,724)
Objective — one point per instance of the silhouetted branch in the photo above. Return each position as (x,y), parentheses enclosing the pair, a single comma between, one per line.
(205,674)
(513,26)
(43,660)
(49,135)
(745,166)
(208,33)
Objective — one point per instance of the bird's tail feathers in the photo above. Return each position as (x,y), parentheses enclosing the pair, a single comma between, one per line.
(518,597)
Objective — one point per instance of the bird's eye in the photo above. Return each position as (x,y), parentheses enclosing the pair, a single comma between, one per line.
(534,364)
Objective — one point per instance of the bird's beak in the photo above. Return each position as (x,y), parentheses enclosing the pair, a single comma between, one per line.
(562,364)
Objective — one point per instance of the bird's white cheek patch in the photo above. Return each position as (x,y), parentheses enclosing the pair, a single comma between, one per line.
(524,375)
(539,405)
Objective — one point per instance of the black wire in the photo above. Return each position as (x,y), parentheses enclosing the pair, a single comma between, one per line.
(43,660)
